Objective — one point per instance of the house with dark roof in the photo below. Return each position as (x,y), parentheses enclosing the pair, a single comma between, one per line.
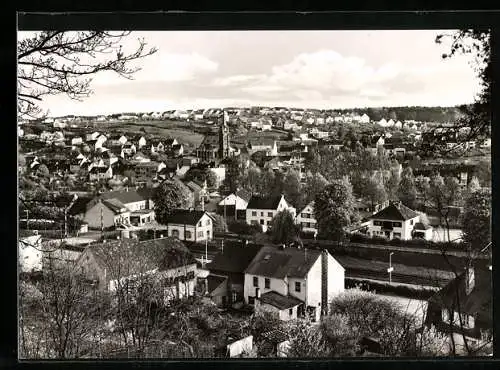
(292,282)
(189,225)
(228,267)
(262,209)
(306,220)
(463,308)
(396,221)
(128,263)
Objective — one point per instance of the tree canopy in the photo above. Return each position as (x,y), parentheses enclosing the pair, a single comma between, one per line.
(65,62)
(334,208)
(169,195)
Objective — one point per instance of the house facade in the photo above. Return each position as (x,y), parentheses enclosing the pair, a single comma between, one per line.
(293,282)
(463,308)
(165,262)
(396,221)
(261,210)
(306,220)
(190,225)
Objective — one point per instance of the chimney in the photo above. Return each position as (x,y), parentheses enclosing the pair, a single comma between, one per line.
(324,282)
(470,279)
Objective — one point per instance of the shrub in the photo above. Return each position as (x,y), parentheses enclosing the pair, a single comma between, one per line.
(381,287)
(242,228)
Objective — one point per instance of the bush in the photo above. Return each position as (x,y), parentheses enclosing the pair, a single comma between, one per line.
(381,287)
(414,243)
(242,228)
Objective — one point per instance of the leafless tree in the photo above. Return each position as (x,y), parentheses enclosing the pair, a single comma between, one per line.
(61,62)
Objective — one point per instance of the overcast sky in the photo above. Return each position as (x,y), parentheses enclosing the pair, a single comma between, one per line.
(308,69)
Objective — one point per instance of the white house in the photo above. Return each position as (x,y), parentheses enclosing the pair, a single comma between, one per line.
(190,225)
(261,210)
(92,136)
(293,282)
(141,142)
(30,253)
(306,219)
(239,200)
(364,118)
(397,221)
(383,122)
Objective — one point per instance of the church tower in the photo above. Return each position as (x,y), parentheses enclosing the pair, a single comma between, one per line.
(224,136)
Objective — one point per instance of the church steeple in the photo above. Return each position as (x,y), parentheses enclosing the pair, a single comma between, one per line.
(224,136)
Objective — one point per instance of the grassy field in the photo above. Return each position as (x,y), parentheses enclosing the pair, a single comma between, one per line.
(371,265)
(184,132)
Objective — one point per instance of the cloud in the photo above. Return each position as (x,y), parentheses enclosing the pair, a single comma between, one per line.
(326,73)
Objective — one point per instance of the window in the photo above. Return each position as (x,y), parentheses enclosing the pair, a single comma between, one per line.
(377,223)
(268,223)
(200,234)
(255,281)
(269,214)
(396,224)
(254,213)
(199,224)
(297,286)
(207,223)
(267,283)
(175,233)
(254,222)
(251,300)
(411,222)
(290,312)
(208,233)
(188,235)
(262,222)
(262,213)
(397,235)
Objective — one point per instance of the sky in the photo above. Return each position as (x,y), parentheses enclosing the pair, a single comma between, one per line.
(303,69)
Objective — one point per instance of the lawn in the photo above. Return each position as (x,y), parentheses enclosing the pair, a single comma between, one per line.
(378,266)
(184,133)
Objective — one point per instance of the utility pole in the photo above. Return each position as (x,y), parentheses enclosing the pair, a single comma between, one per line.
(206,249)
(65,222)
(102,225)
(225,219)
(390,269)
(27,219)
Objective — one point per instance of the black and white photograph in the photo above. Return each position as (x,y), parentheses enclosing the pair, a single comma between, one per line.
(266,194)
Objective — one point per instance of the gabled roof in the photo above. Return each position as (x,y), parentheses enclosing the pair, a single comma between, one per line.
(258,202)
(478,302)
(233,259)
(214,282)
(395,211)
(185,216)
(278,263)
(115,205)
(79,206)
(129,256)
(193,186)
(125,197)
(279,301)
(244,194)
